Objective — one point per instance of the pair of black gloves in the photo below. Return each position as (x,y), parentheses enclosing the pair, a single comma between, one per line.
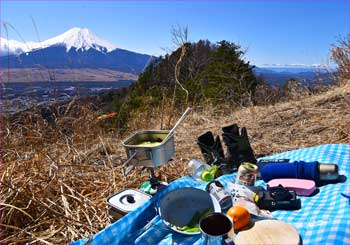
(238,148)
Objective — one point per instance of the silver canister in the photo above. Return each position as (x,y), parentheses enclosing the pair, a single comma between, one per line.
(215,228)
(328,172)
(246,174)
(224,198)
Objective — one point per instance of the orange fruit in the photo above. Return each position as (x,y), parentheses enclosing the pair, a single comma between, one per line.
(240,217)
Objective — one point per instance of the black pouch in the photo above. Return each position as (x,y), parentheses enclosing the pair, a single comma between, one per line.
(278,198)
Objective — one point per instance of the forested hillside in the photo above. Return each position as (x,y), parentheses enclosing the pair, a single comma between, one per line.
(193,74)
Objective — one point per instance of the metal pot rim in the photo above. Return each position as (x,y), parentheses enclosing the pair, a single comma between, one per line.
(165,132)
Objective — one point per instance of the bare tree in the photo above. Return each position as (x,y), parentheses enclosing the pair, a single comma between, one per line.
(179,36)
(340,54)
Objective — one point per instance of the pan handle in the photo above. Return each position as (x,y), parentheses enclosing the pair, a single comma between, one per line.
(130,168)
(130,158)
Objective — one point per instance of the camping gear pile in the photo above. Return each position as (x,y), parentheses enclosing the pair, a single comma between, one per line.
(250,193)
(286,180)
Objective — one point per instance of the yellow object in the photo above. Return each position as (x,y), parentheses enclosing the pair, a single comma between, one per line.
(149,143)
(255,197)
(209,175)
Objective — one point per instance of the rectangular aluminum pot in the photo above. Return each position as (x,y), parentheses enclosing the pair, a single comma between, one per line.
(150,156)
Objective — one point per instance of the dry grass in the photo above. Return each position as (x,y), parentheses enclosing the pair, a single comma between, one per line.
(55,181)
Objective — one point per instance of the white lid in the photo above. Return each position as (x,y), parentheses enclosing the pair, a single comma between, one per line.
(128,200)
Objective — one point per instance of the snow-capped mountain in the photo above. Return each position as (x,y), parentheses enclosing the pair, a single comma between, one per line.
(9,47)
(75,48)
(78,38)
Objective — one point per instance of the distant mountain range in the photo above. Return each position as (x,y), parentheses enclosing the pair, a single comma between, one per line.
(76,48)
(278,75)
(79,55)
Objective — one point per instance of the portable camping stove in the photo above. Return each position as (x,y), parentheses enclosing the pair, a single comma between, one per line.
(149,157)
(153,184)
(151,149)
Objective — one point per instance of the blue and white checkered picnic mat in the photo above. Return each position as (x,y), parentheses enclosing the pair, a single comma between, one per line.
(323,218)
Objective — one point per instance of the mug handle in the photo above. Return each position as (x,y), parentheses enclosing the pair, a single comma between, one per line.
(227,240)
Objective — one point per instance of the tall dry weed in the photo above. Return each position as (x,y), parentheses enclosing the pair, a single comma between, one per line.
(56,177)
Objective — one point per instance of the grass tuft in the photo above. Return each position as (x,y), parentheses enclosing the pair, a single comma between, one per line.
(57,175)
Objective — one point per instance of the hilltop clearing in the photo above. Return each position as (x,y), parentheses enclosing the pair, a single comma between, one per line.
(57,174)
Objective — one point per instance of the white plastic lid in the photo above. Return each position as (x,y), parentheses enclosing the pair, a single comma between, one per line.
(128,200)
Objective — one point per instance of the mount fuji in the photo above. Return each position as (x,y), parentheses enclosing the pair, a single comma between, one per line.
(81,39)
(76,48)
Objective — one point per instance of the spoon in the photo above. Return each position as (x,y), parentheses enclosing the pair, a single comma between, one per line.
(184,115)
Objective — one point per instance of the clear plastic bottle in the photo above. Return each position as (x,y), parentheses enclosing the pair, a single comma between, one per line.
(195,168)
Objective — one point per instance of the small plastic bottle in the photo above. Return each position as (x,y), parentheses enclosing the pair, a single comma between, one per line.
(195,168)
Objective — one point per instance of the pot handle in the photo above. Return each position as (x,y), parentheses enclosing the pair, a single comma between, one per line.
(130,168)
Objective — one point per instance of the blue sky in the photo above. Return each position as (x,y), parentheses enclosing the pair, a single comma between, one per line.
(272,32)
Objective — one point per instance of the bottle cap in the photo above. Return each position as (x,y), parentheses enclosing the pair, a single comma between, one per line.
(328,172)
(251,167)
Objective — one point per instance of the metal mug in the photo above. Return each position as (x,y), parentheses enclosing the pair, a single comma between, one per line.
(215,228)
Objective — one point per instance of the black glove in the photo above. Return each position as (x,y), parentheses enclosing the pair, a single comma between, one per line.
(214,153)
(238,146)
(211,149)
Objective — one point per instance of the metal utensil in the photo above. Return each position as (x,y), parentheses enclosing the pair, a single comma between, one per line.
(214,228)
(184,115)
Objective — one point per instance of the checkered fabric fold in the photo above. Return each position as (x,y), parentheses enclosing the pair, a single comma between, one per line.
(323,218)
